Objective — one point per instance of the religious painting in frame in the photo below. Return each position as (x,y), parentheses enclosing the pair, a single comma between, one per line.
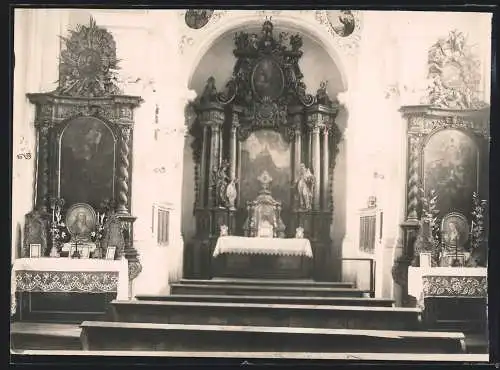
(451,168)
(87,162)
(81,221)
(265,150)
(267,79)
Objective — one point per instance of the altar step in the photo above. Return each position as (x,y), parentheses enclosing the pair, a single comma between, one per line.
(44,336)
(269,315)
(269,282)
(290,300)
(112,336)
(265,290)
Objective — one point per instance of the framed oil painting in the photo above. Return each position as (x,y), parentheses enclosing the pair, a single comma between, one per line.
(267,79)
(87,162)
(265,150)
(81,221)
(451,167)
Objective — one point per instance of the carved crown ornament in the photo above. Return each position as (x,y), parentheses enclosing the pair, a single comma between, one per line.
(454,74)
(88,63)
(88,83)
(266,82)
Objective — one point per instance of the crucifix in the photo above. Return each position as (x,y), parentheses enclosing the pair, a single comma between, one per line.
(76,253)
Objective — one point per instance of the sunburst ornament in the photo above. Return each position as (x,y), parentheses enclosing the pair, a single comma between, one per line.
(88,63)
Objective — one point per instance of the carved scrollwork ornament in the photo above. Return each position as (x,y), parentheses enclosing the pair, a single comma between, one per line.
(134,269)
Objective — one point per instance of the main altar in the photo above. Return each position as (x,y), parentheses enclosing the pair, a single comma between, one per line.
(264,152)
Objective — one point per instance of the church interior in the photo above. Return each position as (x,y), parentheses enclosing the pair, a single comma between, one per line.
(251,182)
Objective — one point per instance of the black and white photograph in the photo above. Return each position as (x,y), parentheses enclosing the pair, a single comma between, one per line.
(251,184)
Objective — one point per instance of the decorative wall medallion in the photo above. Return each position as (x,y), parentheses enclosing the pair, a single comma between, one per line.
(341,21)
(197,18)
(454,74)
(88,63)
(345,28)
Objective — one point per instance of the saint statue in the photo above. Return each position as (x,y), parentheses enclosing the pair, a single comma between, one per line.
(231,192)
(221,183)
(304,186)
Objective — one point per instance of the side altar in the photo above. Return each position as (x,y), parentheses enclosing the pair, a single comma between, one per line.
(264,153)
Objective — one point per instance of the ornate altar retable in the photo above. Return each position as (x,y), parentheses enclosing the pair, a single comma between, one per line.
(83,276)
(264,122)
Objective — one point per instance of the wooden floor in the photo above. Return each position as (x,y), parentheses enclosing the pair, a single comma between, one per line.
(479,358)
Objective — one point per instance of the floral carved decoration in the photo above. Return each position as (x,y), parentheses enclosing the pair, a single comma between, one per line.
(88,63)
(453,71)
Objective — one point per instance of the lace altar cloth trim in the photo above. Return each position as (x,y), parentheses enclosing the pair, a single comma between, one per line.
(263,246)
(455,286)
(67,282)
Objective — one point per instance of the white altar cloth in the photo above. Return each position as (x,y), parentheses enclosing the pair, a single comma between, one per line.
(70,276)
(447,281)
(265,246)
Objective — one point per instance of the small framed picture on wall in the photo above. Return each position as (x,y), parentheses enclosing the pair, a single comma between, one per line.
(35,250)
(85,251)
(110,253)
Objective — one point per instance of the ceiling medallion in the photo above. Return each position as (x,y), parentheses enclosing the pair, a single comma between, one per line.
(342,22)
(88,63)
(197,18)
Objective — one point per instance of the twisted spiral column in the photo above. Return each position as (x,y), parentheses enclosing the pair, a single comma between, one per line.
(43,182)
(413,179)
(123,175)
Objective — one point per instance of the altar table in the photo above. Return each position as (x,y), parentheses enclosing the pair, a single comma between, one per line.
(262,257)
(447,294)
(66,275)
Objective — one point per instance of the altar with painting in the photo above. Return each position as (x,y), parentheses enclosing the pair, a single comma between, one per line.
(264,153)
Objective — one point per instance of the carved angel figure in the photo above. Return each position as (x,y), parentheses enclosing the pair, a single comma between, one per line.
(210,92)
(322,94)
(304,187)
(296,42)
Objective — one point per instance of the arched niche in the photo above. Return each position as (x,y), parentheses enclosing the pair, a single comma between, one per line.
(87,162)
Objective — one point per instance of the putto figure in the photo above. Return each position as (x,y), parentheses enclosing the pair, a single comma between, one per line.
(304,186)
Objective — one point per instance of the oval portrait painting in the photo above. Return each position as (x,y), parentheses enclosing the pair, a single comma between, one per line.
(81,220)
(454,231)
(267,79)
